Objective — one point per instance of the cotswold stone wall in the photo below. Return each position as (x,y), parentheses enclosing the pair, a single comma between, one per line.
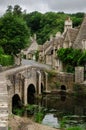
(66,79)
(79,74)
(57,80)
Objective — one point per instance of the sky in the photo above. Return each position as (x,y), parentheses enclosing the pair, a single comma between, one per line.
(66,6)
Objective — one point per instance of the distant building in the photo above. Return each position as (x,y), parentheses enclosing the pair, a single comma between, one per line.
(29,52)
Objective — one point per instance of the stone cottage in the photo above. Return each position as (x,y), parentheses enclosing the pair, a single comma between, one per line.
(29,52)
(71,37)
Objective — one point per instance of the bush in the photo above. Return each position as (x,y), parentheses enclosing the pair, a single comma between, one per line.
(39,116)
(69,69)
(18,111)
(1,51)
(51,74)
(6,60)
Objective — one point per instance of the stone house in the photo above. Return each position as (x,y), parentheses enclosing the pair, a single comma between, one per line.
(29,52)
(65,40)
(71,37)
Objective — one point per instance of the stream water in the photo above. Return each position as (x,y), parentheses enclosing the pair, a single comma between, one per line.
(59,110)
(62,109)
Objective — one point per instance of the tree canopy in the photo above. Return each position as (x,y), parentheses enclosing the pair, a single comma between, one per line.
(49,23)
(14,33)
(16,26)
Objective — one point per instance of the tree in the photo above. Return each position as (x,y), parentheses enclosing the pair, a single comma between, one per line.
(33,21)
(49,23)
(14,33)
(17,10)
(9,9)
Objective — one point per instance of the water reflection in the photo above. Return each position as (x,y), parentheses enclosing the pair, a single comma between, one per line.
(31,98)
(60,106)
(63,96)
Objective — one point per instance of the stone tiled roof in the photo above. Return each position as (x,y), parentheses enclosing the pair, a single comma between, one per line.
(47,44)
(55,42)
(81,34)
(32,48)
(58,40)
(72,34)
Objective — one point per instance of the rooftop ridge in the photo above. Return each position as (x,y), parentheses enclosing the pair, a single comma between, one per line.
(81,34)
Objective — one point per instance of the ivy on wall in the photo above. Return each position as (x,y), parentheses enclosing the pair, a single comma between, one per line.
(72,57)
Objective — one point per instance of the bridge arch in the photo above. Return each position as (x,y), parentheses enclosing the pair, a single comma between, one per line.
(63,87)
(16,102)
(30,94)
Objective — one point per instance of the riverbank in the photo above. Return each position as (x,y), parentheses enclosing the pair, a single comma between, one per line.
(23,123)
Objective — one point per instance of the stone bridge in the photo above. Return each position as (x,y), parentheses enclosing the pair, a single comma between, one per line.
(16,85)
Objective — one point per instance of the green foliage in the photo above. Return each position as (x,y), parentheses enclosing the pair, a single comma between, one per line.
(62,123)
(14,33)
(49,23)
(82,59)
(77,18)
(1,51)
(6,60)
(9,128)
(18,111)
(33,21)
(71,57)
(74,128)
(37,111)
(38,116)
(30,108)
(69,68)
(51,73)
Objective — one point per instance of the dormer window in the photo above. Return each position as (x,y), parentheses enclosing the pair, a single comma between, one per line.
(83,44)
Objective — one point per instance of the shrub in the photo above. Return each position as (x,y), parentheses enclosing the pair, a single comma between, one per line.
(69,69)
(51,74)
(6,60)
(1,51)
(39,116)
(18,111)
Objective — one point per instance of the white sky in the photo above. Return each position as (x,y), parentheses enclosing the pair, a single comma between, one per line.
(67,6)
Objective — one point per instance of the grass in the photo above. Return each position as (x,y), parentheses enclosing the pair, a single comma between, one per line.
(74,128)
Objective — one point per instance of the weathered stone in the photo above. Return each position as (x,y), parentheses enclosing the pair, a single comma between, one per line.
(79,74)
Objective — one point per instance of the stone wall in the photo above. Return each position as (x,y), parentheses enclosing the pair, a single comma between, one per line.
(79,74)
(58,79)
